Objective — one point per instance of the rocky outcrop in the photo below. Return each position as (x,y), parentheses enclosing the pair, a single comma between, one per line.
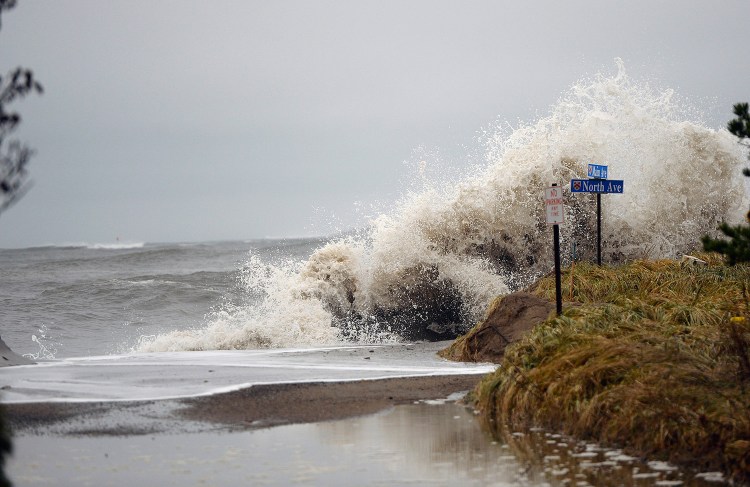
(508,319)
(9,357)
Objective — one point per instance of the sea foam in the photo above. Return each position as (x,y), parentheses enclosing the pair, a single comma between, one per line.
(433,263)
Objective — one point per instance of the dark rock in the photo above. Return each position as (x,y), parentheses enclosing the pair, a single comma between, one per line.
(508,319)
(8,357)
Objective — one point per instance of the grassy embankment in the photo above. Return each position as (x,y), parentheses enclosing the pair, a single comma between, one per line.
(652,356)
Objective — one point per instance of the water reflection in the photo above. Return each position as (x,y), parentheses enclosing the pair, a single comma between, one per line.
(419,444)
(425,444)
(561,460)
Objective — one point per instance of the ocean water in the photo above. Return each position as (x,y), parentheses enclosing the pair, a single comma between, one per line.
(425,269)
(97,299)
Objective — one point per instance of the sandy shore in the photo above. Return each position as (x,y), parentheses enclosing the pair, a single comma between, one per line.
(271,404)
(174,392)
(258,406)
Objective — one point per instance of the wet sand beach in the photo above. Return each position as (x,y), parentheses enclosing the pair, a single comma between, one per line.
(254,407)
(385,415)
(226,390)
(178,422)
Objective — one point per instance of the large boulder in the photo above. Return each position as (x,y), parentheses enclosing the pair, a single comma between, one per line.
(508,319)
(9,357)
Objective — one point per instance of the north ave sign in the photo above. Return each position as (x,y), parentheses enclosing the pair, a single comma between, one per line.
(596,186)
(599,184)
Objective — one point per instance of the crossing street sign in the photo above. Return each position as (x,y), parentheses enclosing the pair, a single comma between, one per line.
(596,186)
(597,172)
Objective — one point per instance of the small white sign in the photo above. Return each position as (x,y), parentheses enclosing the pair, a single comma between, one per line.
(553,203)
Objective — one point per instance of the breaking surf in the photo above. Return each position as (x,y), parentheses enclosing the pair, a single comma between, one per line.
(428,268)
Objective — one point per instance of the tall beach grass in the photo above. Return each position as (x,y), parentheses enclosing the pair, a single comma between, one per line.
(651,356)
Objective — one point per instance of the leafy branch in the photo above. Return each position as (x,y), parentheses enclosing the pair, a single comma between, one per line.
(737,247)
(14,155)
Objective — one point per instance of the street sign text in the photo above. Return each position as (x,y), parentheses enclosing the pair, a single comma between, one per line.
(596,186)
(597,172)
(553,203)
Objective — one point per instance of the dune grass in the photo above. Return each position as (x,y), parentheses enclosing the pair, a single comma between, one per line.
(651,356)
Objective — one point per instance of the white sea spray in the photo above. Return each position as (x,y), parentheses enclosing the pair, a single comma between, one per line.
(436,260)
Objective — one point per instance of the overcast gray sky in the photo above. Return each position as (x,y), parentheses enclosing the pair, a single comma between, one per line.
(191,120)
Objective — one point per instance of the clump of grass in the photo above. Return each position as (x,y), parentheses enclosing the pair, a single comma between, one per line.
(652,356)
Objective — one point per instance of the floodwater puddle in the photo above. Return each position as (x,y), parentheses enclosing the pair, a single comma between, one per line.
(431,443)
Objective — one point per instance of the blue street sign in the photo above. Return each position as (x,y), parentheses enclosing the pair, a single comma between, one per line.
(596,186)
(597,172)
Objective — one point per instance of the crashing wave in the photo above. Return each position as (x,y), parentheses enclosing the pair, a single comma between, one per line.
(430,267)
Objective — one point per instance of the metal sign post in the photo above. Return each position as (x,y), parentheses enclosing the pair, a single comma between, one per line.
(595,171)
(598,184)
(598,229)
(553,203)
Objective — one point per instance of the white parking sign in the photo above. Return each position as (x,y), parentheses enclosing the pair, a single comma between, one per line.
(553,202)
